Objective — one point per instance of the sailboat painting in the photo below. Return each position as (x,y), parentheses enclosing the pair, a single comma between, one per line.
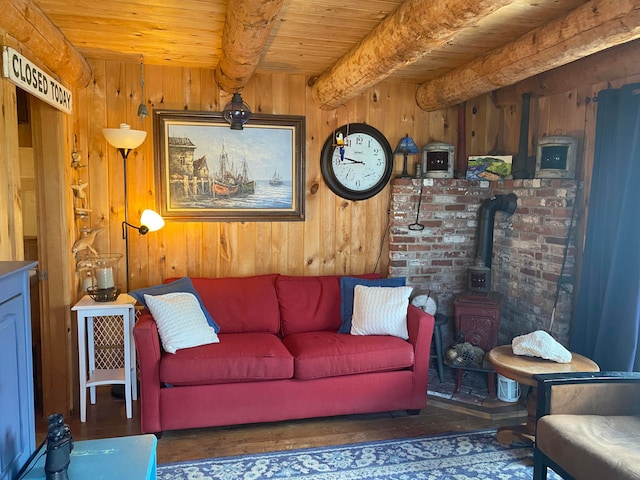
(208,171)
(276,180)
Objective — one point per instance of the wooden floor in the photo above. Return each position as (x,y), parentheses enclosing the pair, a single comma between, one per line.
(107,418)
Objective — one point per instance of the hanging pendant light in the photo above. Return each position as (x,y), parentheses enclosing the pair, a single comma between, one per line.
(143,111)
(236,112)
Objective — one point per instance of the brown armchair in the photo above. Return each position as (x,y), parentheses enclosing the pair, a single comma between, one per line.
(588,426)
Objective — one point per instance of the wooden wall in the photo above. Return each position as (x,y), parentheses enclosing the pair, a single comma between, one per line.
(11,246)
(337,236)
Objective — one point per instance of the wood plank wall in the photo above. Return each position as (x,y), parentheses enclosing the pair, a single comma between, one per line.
(337,237)
(11,246)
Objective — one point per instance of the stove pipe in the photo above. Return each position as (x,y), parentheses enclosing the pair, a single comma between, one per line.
(486,217)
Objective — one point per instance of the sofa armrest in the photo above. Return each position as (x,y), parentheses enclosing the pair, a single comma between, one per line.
(149,351)
(589,393)
(420,326)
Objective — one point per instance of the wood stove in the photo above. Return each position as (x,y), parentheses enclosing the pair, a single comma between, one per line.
(477,310)
(478,318)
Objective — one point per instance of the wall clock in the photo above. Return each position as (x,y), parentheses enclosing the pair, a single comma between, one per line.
(356,161)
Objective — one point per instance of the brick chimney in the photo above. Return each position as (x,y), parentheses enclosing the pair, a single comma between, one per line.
(528,246)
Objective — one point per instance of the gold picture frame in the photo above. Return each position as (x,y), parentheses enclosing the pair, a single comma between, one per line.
(206,171)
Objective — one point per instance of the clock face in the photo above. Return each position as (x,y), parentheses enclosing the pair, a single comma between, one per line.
(356,162)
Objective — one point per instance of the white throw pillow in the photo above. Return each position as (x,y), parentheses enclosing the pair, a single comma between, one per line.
(181,322)
(380,311)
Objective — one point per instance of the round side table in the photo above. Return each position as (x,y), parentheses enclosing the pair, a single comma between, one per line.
(521,369)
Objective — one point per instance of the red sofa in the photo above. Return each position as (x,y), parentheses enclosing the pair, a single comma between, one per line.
(280,357)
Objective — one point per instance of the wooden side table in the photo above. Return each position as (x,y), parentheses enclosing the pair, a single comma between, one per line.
(87,309)
(132,457)
(521,369)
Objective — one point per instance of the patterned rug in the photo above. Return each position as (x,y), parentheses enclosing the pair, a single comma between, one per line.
(459,456)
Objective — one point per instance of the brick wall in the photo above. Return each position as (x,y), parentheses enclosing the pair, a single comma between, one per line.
(528,247)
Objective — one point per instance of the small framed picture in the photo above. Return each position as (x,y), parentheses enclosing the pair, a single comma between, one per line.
(489,167)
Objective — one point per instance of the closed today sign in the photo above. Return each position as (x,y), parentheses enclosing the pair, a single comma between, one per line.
(32,79)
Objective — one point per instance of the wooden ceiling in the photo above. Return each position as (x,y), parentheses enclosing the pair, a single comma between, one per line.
(310,37)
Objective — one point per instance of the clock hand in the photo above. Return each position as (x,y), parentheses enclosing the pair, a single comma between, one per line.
(354,161)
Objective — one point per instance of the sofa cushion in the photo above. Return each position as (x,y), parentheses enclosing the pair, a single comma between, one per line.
(347,286)
(241,304)
(380,311)
(309,304)
(183,284)
(239,357)
(592,446)
(181,323)
(330,354)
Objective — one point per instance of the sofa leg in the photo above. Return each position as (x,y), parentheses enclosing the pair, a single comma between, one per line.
(413,412)
(539,467)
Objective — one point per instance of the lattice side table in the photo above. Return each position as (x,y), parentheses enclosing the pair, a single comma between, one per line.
(89,311)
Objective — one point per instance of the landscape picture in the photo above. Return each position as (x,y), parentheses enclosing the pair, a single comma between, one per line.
(209,171)
(489,167)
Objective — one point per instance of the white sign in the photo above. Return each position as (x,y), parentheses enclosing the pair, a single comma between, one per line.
(32,79)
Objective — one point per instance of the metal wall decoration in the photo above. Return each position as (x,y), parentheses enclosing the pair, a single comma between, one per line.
(206,171)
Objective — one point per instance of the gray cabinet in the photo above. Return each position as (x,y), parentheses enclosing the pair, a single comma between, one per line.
(17,417)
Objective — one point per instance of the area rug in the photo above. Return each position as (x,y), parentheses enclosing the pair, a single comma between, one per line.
(459,456)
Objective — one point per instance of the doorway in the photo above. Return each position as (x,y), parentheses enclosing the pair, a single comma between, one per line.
(45,239)
(30,232)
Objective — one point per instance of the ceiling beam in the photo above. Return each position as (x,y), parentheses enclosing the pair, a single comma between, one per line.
(609,65)
(24,21)
(590,28)
(247,26)
(413,30)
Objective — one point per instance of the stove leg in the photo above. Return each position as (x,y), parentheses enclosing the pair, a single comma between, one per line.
(492,384)
(459,374)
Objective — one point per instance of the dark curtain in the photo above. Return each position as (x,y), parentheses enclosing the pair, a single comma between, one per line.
(606,317)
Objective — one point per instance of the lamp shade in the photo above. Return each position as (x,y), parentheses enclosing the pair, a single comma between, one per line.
(407,146)
(151,220)
(236,112)
(124,137)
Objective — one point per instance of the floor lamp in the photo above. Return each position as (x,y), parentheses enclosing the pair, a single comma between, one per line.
(125,139)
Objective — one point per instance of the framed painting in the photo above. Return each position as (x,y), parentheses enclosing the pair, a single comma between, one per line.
(489,167)
(206,171)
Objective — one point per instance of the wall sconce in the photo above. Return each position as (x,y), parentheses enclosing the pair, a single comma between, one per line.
(150,221)
(406,146)
(236,112)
